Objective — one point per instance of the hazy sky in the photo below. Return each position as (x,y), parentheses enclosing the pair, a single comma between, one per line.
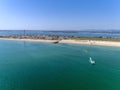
(59,14)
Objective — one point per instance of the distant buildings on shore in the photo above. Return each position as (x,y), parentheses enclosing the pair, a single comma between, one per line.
(45,37)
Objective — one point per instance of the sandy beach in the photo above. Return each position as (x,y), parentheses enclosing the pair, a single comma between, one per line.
(30,40)
(92,42)
(69,41)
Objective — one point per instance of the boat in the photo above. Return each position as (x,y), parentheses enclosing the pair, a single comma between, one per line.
(91,61)
(56,42)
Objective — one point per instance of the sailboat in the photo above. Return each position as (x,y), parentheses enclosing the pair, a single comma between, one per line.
(91,61)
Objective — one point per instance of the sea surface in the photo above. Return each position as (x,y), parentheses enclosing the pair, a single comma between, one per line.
(83,33)
(47,66)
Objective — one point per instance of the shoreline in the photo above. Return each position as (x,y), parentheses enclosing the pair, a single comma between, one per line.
(71,41)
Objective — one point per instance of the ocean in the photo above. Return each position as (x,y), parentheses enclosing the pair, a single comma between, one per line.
(83,33)
(48,66)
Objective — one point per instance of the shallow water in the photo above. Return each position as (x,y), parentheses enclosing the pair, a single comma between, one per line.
(47,66)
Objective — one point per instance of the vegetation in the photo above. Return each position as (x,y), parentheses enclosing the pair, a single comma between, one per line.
(96,38)
(54,37)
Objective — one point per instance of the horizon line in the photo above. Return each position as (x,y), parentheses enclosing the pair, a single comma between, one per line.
(57,29)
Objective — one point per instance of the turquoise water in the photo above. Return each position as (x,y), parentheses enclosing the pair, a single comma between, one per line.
(47,66)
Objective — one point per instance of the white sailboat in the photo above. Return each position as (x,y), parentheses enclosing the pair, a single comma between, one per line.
(91,61)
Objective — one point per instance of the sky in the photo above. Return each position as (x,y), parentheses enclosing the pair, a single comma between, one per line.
(59,14)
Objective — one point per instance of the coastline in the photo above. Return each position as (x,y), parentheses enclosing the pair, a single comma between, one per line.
(92,42)
(71,41)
